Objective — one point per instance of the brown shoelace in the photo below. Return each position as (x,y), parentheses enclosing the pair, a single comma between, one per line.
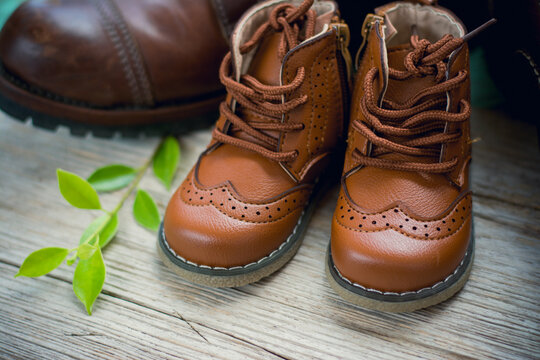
(416,127)
(266,100)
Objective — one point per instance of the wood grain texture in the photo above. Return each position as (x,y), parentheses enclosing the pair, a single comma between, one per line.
(145,311)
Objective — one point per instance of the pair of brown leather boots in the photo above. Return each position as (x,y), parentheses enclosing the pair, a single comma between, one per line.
(402,228)
(401,231)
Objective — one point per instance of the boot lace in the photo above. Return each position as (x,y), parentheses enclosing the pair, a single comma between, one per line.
(416,127)
(267,101)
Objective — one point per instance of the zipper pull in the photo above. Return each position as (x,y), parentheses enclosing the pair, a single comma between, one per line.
(366,29)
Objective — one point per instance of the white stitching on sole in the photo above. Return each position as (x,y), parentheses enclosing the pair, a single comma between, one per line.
(440,283)
(273,253)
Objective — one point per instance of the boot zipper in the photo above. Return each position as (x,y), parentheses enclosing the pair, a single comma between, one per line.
(344,38)
(366,29)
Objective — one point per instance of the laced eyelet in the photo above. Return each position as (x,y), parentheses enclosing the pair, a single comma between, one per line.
(264,99)
(388,136)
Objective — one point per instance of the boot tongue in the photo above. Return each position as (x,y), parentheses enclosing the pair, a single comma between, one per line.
(265,67)
(251,175)
(266,64)
(413,186)
(398,90)
(401,91)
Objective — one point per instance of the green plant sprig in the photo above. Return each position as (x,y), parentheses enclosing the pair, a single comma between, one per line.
(89,274)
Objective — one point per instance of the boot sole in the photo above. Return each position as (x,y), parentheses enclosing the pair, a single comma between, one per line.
(400,302)
(49,111)
(240,275)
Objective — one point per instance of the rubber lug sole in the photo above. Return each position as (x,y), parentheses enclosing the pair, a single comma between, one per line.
(52,123)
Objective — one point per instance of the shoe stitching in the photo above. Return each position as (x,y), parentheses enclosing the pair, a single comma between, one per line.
(136,56)
(141,77)
(312,112)
(331,74)
(391,293)
(232,194)
(465,197)
(244,220)
(272,254)
(127,51)
(275,219)
(306,46)
(108,25)
(404,233)
(310,157)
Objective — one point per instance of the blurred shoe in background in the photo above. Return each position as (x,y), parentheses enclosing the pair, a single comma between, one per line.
(109,66)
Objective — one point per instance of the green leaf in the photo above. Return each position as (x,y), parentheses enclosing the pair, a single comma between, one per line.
(166,160)
(112,177)
(42,262)
(106,234)
(88,279)
(77,191)
(86,250)
(109,232)
(145,211)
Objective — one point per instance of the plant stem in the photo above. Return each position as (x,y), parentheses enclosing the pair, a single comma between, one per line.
(138,178)
(140,173)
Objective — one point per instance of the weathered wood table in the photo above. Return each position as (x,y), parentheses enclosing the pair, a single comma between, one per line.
(146,312)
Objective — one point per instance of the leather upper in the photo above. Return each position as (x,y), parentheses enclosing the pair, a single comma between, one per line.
(236,206)
(215,226)
(119,53)
(395,230)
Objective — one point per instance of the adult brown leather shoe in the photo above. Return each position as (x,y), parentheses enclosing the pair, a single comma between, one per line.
(241,212)
(115,65)
(401,232)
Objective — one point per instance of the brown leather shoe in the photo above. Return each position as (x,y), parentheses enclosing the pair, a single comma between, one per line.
(115,65)
(401,233)
(241,212)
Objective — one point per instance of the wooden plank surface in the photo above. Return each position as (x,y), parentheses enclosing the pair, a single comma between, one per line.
(146,311)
